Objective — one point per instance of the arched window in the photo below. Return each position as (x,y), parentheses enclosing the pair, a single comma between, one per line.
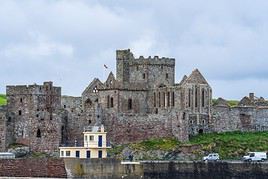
(173,99)
(196,97)
(129,104)
(108,101)
(189,97)
(159,99)
(112,102)
(38,133)
(95,90)
(168,99)
(164,99)
(203,98)
(154,100)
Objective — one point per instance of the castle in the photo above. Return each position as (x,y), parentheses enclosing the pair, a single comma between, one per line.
(143,101)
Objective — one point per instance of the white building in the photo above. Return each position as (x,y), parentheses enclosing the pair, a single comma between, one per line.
(95,145)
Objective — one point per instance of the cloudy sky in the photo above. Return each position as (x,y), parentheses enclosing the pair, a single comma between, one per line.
(68,42)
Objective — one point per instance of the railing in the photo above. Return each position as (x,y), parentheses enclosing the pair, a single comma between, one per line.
(88,144)
(92,129)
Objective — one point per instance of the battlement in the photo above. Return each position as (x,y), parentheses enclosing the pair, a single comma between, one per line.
(124,54)
(32,89)
(156,60)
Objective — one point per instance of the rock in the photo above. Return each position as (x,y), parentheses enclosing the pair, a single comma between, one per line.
(20,151)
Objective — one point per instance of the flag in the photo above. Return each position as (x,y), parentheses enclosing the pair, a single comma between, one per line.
(105,66)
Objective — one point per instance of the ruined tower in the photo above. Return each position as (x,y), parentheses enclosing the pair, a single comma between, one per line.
(35,116)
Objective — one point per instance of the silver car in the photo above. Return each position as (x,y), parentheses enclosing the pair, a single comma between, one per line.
(212,157)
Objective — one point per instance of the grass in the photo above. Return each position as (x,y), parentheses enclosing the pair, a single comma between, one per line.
(230,145)
(166,144)
(231,103)
(156,144)
(3,99)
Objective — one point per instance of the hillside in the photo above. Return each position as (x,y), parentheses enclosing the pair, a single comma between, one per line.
(230,145)
(3,99)
(231,103)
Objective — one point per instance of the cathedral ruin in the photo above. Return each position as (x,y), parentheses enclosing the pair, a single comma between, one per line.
(142,101)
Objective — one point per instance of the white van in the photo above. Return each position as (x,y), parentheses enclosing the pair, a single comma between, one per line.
(255,156)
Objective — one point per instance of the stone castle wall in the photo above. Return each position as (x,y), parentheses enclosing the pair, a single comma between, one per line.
(35,116)
(125,128)
(239,118)
(2,129)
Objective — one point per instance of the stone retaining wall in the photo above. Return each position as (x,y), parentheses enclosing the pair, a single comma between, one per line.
(32,168)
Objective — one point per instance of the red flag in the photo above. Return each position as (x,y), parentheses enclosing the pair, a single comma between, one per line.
(105,66)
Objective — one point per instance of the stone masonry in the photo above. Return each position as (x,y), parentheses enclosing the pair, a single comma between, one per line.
(142,101)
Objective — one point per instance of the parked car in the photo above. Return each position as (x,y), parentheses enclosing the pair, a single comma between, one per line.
(212,157)
(255,156)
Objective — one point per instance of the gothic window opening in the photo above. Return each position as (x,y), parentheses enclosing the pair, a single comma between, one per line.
(112,102)
(19,112)
(137,68)
(164,99)
(189,98)
(129,104)
(95,90)
(143,75)
(203,98)
(166,75)
(154,100)
(183,115)
(38,133)
(196,97)
(89,122)
(168,99)
(173,99)
(21,100)
(159,99)
(108,101)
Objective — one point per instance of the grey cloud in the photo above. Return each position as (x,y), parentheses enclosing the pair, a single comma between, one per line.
(69,41)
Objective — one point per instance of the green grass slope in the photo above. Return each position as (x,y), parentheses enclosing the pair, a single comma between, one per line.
(3,99)
(230,145)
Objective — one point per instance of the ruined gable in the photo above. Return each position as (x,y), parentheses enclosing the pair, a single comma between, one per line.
(110,82)
(221,102)
(246,102)
(196,77)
